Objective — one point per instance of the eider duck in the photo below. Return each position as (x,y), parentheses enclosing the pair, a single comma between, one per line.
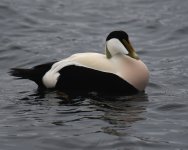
(118,71)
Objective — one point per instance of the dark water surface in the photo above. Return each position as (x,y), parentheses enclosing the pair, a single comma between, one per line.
(38,31)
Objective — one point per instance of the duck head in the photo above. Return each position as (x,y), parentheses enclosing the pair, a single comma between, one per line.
(117,42)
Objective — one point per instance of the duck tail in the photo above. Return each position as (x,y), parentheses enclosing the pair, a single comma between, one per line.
(22,73)
(35,74)
(31,74)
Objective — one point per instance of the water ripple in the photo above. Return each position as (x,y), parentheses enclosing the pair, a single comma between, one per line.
(39,31)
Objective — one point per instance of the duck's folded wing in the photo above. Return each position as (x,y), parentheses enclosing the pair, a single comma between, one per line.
(80,78)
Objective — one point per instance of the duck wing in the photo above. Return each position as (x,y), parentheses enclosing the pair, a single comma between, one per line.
(82,79)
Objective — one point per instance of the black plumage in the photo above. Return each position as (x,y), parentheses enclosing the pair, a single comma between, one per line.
(78,79)
(81,79)
(35,73)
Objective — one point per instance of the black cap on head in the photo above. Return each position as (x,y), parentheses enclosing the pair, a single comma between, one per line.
(118,35)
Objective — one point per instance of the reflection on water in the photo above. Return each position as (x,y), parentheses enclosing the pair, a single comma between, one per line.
(39,31)
(118,112)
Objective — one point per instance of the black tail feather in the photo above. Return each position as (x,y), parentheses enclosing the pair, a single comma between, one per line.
(22,73)
(35,74)
(31,74)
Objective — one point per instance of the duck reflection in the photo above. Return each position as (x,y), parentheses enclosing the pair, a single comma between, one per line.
(41,97)
(122,112)
(116,113)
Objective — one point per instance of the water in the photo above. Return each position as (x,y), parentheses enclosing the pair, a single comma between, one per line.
(38,31)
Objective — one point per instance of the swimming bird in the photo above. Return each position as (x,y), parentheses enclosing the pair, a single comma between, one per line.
(118,71)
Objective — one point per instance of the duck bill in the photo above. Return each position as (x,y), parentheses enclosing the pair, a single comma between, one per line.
(132,53)
(108,55)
